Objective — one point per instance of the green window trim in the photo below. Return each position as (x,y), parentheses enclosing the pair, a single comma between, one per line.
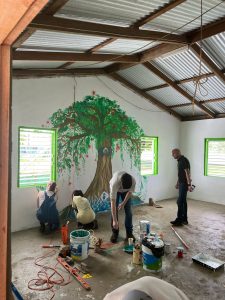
(146,143)
(41,156)
(214,157)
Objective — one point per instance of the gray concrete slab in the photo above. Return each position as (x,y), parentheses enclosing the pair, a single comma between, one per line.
(205,233)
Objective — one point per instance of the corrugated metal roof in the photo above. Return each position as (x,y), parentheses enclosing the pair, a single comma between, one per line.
(51,40)
(141,77)
(218,107)
(18,64)
(168,96)
(88,64)
(126,12)
(187,12)
(215,47)
(211,89)
(114,12)
(187,111)
(181,65)
(127,46)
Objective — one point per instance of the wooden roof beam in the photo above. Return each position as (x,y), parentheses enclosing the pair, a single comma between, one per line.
(171,83)
(144,95)
(206,31)
(28,73)
(72,57)
(50,23)
(162,10)
(201,102)
(202,117)
(205,58)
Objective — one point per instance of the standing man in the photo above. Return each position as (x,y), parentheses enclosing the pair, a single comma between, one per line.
(122,185)
(184,185)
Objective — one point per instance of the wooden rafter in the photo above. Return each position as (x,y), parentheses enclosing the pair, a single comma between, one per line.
(207,31)
(138,91)
(50,10)
(28,73)
(171,83)
(162,10)
(80,27)
(202,117)
(216,100)
(162,49)
(143,21)
(194,78)
(72,57)
(205,58)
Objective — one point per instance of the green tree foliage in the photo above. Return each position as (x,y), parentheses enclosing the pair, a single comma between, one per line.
(97,119)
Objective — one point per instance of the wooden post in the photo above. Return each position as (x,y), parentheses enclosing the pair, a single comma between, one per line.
(5,121)
(15,16)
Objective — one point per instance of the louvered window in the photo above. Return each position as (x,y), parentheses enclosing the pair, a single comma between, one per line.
(37,156)
(215,157)
(149,155)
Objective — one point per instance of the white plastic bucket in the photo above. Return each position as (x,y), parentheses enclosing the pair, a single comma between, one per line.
(150,262)
(79,244)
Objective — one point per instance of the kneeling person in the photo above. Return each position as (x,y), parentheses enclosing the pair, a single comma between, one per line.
(85,214)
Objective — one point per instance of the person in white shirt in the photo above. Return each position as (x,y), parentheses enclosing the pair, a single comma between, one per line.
(147,288)
(122,185)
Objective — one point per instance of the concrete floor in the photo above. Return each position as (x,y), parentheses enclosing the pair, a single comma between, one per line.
(205,233)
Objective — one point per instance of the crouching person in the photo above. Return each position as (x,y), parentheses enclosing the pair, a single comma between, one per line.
(85,214)
(47,213)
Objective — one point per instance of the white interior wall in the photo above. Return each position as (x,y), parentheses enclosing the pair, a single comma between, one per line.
(210,189)
(34,100)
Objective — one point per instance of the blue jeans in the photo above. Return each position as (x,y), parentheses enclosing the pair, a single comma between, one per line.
(182,202)
(128,213)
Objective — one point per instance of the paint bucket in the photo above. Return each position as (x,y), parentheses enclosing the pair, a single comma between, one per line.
(79,244)
(167,248)
(152,252)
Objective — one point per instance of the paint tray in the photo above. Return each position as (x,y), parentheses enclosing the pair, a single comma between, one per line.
(208,261)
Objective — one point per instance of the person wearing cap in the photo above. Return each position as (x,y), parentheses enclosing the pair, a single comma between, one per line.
(147,288)
(122,185)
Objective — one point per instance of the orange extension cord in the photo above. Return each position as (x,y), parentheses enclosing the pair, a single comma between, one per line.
(48,276)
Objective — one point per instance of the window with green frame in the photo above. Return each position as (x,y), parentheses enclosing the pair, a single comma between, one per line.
(149,155)
(37,156)
(214,164)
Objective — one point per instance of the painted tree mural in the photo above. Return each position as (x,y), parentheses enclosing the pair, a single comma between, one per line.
(100,121)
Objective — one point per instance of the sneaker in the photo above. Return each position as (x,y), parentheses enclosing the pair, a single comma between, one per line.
(177,224)
(175,221)
(114,237)
(130,236)
(185,222)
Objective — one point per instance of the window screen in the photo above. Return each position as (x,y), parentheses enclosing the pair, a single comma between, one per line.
(37,156)
(149,155)
(215,157)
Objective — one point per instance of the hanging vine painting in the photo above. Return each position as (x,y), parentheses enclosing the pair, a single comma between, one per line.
(99,121)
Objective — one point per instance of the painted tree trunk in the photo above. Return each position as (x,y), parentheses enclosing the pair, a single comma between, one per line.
(103,174)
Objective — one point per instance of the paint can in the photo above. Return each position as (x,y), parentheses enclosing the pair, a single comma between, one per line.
(64,234)
(152,252)
(137,255)
(79,244)
(167,248)
(144,227)
(180,252)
